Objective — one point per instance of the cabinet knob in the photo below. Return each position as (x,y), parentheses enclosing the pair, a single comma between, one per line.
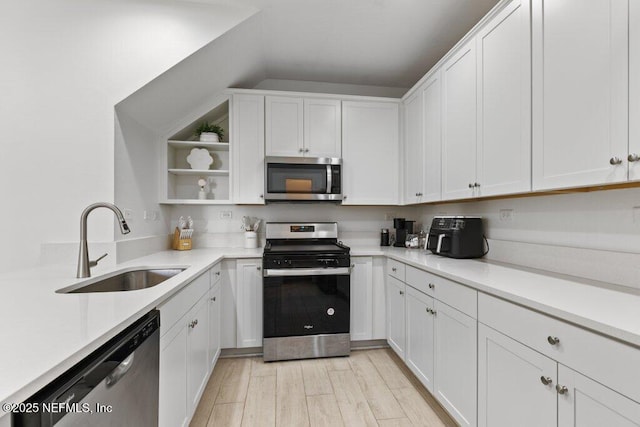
(353,266)
(258,268)
(432,286)
(633,157)
(217,273)
(561,389)
(553,340)
(193,323)
(262,196)
(394,269)
(471,185)
(476,184)
(213,299)
(401,292)
(546,380)
(300,150)
(615,161)
(344,197)
(306,150)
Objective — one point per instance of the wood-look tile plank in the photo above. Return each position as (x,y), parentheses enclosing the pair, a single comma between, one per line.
(260,406)
(236,381)
(203,411)
(353,404)
(337,364)
(417,410)
(316,378)
(396,422)
(226,415)
(382,402)
(259,368)
(324,411)
(388,369)
(291,403)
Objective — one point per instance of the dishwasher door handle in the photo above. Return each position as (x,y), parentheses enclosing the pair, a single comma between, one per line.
(120,371)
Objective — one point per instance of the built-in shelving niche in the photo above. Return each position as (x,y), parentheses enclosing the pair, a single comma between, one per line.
(182,181)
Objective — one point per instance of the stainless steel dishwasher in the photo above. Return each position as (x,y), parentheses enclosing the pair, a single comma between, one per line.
(116,385)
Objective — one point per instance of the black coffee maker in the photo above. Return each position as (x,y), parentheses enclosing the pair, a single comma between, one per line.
(403,227)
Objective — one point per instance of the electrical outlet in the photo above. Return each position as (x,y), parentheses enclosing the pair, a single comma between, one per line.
(506,215)
(388,216)
(128,214)
(226,214)
(146,215)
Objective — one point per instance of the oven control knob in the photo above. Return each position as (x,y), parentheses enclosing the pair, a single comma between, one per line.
(278,262)
(331,312)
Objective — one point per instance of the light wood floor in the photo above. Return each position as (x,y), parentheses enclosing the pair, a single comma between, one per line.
(368,388)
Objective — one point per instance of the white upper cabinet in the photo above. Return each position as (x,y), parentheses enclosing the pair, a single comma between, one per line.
(322,128)
(634,90)
(370,153)
(413,151)
(284,126)
(504,102)
(432,133)
(459,124)
(248,155)
(580,92)
(302,127)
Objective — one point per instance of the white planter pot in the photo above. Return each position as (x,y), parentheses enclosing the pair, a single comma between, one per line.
(209,137)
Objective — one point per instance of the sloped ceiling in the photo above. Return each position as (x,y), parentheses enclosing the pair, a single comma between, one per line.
(388,43)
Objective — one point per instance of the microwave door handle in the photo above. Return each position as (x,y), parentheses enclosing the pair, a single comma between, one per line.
(329,179)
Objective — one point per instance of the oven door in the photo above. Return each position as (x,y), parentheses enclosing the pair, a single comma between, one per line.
(304,178)
(305,303)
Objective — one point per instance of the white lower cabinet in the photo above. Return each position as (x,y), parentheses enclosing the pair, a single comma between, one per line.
(456,369)
(361,298)
(587,403)
(395,315)
(420,351)
(249,302)
(197,323)
(516,383)
(173,378)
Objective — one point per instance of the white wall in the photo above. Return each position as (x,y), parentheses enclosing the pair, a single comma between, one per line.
(594,235)
(357,225)
(66,63)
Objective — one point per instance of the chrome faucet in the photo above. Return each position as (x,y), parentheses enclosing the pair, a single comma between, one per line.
(84,265)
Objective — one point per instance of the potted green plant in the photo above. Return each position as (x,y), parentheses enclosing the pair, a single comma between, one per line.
(209,132)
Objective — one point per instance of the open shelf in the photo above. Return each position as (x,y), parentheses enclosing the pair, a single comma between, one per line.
(199,172)
(211,146)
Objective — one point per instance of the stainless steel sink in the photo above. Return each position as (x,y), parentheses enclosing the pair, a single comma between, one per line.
(130,280)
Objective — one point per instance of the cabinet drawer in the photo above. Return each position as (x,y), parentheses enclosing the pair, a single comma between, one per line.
(603,359)
(420,279)
(172,310)
(216,273)
(395,269)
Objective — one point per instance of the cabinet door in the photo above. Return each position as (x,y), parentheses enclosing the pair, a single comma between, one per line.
(361,298)
(580,92)
(214,325)
(197,351)
(413,148)
(511,383)
(395,315)
(249,302)
(459,124)
(322,128)
(283,126)
(456,363)
(370,153)
(504,102)
(586,403)
(420,350)
(173,374)
(432,144)
(634,90)
(247,145)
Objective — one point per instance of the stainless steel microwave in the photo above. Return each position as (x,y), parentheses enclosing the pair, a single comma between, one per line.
(302,179)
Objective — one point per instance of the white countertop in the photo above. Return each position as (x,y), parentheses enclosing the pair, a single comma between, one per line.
(45,333)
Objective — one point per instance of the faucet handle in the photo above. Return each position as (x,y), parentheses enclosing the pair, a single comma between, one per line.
(94,263)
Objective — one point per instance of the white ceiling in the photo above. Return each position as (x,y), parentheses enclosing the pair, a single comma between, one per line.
(390,43)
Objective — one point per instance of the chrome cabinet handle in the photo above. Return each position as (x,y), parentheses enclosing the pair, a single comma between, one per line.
(561,389)
(193,323)
(633,157)
(615,161)
(431,311)
(553,340)
(431,286)
(546,380)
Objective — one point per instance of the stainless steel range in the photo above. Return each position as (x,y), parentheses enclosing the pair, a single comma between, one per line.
(306,281)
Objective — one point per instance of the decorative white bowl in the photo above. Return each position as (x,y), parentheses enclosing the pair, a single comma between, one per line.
(199,159)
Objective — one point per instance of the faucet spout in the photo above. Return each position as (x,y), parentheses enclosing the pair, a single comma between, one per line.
(83,257)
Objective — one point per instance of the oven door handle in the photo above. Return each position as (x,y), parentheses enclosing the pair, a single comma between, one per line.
(282,272)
